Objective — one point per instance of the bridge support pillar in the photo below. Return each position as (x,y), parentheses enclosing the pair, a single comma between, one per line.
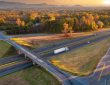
(19,52)
(34,63)
(25,56)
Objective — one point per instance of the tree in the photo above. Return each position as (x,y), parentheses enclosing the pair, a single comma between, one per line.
(96,18)
(22,23)
(83,23)
(76,24)
(18,22)
(2,20)
(33,16)
(52,18)
(94,25)
(66,29)
(71,30)
(100,24)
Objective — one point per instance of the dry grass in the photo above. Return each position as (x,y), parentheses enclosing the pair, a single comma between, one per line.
(21,42)
(40,41)
(84,60)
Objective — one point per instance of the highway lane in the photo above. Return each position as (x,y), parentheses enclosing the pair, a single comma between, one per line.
(73,46)
(15,67)
(43,49)
(15,63)
(68,43)
(5,67)
(11,59)
(1,37)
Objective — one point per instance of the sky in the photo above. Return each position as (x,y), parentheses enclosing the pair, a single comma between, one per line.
(66,2)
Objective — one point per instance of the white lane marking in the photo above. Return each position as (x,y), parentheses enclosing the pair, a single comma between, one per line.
(101,73)
(105,82)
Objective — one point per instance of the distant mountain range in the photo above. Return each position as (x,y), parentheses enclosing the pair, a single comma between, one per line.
(5,5)
(10,3)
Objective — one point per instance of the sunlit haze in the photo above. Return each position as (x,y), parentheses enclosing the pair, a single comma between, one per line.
(66,2)
(107,2)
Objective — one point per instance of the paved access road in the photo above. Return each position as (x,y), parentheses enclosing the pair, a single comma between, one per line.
(101,74)
(1,37)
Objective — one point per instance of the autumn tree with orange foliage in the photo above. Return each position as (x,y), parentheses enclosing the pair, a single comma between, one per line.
(2,20)
(66,29)
(20,22)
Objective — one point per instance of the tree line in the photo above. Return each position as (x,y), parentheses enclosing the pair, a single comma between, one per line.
(78,23)
(51,23)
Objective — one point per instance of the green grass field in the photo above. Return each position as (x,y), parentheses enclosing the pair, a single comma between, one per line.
(31,76)
(6,49)
(84,60)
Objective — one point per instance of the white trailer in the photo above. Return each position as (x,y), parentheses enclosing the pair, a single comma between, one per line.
(61,50)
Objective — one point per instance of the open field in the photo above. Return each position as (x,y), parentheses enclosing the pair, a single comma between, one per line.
(6,49)
(84,60)
(31,76)
(49,39)
(40,41)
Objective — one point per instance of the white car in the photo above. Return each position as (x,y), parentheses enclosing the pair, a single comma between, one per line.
(88,42)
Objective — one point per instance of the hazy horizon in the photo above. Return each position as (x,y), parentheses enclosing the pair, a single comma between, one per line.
(65,2)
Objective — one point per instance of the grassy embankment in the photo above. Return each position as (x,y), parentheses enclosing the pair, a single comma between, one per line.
(31,76)
(84,60)
(6,49)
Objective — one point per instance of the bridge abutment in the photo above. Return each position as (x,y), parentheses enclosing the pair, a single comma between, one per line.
(19,52)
